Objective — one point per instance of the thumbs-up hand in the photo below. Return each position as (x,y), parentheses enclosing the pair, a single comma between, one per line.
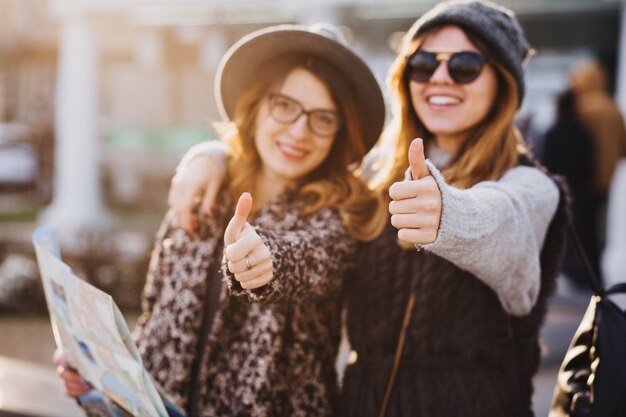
(416,204)
(249,259)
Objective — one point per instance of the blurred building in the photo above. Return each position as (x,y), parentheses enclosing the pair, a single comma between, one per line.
(134,79)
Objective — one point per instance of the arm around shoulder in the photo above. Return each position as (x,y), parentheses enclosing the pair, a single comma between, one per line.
(214,149)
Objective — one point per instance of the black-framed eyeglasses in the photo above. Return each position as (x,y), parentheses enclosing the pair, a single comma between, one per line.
(463,67)
(285,109)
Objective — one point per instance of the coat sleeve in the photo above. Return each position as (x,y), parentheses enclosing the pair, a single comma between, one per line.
(496,231)
(175,254)
(307,263)
(154,278)
(214,149)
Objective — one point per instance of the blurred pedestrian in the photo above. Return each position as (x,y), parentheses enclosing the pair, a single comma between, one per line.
(261,337)
(569,151)
(602,117)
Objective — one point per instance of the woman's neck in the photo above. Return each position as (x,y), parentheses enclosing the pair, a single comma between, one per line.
(267,187)
(449,143)
(438,156)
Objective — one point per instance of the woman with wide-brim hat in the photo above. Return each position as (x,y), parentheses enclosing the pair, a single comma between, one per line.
(261,337)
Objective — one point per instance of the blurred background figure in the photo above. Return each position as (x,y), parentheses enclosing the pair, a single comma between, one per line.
(605,123)
(569,151)
(600,114)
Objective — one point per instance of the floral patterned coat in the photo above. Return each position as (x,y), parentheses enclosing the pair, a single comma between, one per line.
(270,351)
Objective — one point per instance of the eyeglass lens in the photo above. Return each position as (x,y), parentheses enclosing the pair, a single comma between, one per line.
(463,67)
(287,110)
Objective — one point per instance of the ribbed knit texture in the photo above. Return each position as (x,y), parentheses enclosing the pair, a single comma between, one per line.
(455,361)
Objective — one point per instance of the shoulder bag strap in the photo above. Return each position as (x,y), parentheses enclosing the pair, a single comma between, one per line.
(396,360)
(619,288)
(574,241)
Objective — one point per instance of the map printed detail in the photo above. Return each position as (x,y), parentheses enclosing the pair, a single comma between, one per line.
(92,333)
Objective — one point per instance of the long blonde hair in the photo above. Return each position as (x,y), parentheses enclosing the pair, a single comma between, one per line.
(333,183)
(492,148)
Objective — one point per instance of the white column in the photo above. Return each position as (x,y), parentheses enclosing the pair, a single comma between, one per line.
(76,206)
(620,94)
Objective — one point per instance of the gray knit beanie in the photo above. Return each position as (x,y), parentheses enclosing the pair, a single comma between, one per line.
(492,23)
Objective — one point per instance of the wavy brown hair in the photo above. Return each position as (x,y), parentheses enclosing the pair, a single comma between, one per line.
(333,183)
(492,147)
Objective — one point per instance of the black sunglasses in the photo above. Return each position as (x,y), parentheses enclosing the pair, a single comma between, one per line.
(463,67)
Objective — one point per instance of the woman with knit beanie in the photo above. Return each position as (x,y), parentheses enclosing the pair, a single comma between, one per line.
(486,231)
(444,307)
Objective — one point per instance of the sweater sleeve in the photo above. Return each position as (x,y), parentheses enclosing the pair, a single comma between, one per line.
(496,229)
(218,151)
(307,263)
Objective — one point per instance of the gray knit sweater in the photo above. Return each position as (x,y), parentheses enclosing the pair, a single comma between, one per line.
(495,231)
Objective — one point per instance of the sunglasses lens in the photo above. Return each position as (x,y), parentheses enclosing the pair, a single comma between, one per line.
(465,67)
(421,66)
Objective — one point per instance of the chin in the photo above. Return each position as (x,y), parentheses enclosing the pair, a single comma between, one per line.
(440,130)
(291,175)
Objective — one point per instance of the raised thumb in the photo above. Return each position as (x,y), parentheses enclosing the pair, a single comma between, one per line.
(417,161)
(238,222)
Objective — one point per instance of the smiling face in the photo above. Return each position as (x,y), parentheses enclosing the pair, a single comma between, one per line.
(447,109)
(289,151)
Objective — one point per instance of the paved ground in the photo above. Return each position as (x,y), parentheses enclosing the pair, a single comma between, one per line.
(30,389)
(28,381)
(28,384)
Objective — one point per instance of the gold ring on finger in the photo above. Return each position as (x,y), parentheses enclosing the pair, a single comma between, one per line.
(248,264)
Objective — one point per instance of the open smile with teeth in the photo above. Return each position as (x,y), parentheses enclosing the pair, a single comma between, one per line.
(292,151)
(443,100)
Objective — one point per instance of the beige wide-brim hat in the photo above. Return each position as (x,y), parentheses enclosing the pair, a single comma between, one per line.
(240,64)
